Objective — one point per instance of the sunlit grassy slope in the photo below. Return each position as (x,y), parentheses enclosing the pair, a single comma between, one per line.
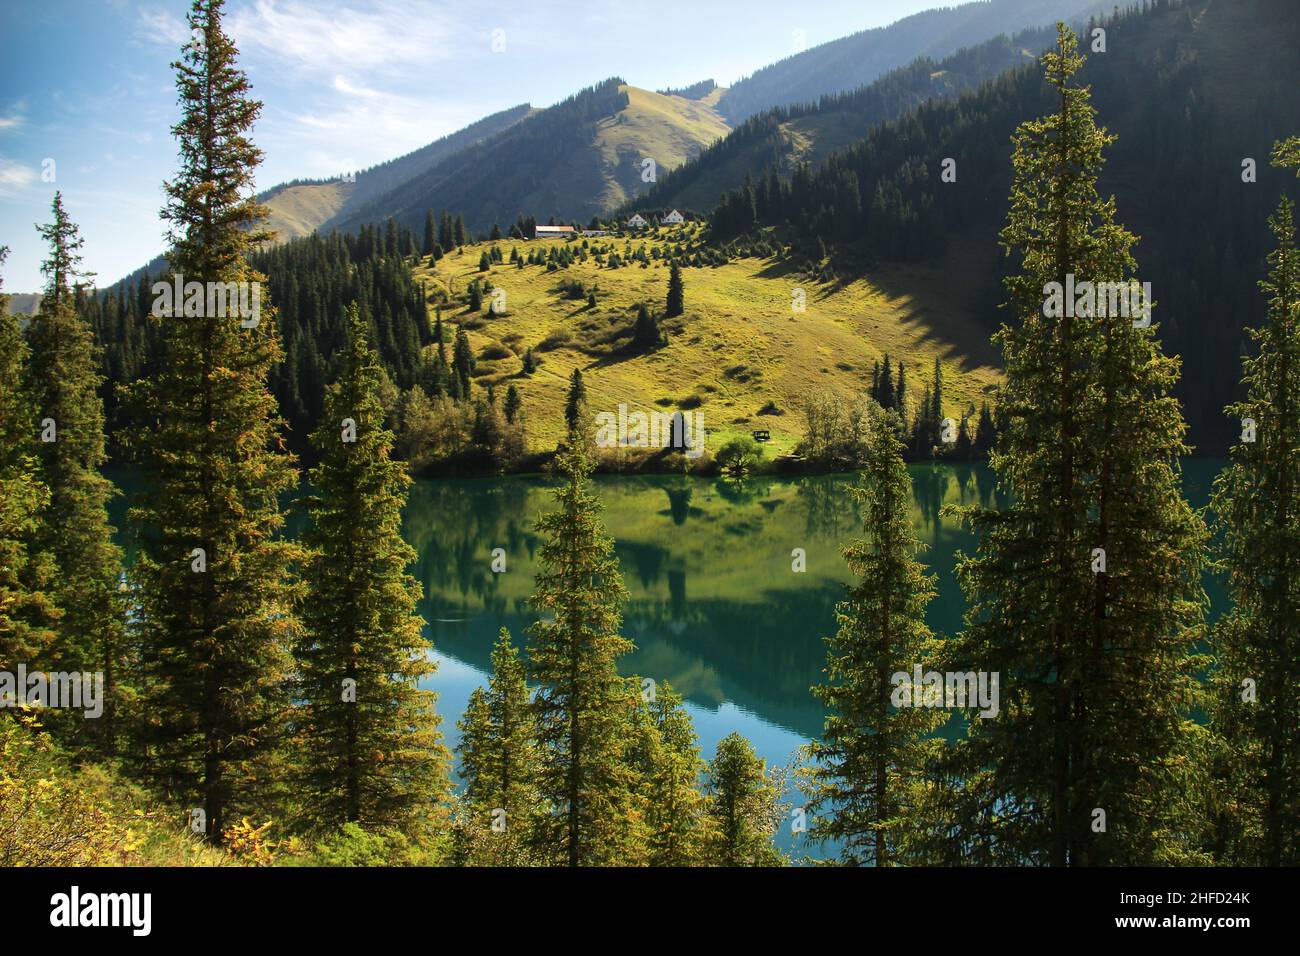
(668,129)
(738,347)
(297,210)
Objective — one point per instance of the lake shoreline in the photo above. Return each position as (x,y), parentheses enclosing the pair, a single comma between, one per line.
(666,463)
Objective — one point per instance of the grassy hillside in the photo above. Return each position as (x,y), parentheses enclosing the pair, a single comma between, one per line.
(668,129)
(298,208)
(577,159)
(738,347)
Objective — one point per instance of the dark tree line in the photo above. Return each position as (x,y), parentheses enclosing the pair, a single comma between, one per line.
(311,281)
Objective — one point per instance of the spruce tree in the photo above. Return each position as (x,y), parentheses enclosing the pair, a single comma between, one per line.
(584,708)
(645,331)
(668,756)
(499,755)
(27,610)
(887,393)
(676,292)
(442,381)
(64,382)
(392,239)
(936,405)
(985,431)
(575,403)
(371,751)
(1255,700)
(1084,592)
(216,615)
(454,391)
(446,233)
(430,234)
(744,804)
(512,404)
(485,431)
(965,442)
(463,362)
(923,430)
(869,764)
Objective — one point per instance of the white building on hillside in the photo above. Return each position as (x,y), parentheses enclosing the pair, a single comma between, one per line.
(673,217)
(637,222)
(553,232)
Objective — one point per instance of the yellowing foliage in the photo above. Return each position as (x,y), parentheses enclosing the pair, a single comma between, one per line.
(54,815)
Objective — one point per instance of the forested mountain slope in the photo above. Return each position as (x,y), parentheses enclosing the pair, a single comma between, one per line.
(299,207)
(577,159)
(1191,90)
(859,59)
(783,138)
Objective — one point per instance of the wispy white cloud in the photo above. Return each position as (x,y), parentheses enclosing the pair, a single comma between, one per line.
(320,38)
(9,122)
(346,86)
(14,177)
(362,117)
(158,26)
(343,70)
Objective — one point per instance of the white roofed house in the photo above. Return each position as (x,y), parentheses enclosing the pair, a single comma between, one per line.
(637,221)
(553,232)
(673,217)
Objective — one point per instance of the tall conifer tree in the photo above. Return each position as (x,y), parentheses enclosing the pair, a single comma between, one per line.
(668,756)
(1084,592)
(64,383)
(463,364)
(676,303)
(217,604)
(936,398)
(744,803)
(870,761)
(1255,705)
(575,402)
(499,756)
(446,234)
(512,405)
(371,750)
(584,708)
(27,611)
(430,234)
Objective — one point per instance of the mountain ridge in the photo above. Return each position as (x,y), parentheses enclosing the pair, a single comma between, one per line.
(855,60)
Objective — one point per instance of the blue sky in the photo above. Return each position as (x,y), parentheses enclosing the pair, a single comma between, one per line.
(87,85)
